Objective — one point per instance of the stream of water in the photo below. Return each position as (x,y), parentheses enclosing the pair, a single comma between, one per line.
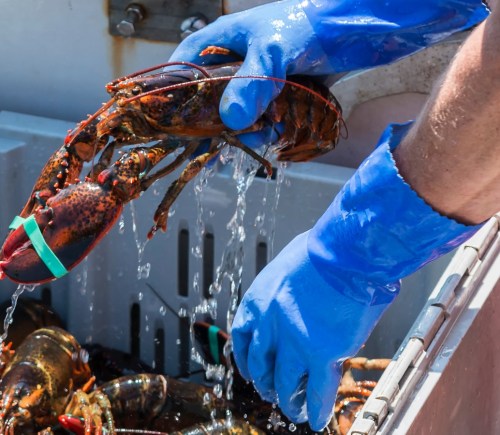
(21,288)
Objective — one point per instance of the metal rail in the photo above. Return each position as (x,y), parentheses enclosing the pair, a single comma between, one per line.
(456,288)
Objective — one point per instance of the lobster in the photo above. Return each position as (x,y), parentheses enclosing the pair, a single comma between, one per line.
(145,400)
(175,109)
(47,381)
(39,379)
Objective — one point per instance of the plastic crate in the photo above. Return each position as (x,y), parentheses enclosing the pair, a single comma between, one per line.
(103,301)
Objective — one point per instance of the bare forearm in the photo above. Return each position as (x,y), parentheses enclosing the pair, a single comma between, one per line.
(451,156)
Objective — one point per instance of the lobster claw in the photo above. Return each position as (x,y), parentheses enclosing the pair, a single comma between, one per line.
(71,224)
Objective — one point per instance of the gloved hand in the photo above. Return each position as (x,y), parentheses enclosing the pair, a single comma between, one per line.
(320,37)
(317,302)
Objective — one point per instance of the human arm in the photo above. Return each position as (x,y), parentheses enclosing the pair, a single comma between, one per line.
(451,157)
(318,301)
(320,37)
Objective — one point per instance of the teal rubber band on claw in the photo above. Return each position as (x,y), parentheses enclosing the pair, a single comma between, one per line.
(42,249)
(214,342)
(16,222)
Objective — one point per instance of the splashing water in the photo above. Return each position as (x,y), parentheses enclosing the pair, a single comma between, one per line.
(143,270)
(10,311)
(231,266)
(280,178)
(82,279)
(199,187)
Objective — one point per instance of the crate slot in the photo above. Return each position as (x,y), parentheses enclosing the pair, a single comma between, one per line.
(183,262)
(208,262)
(261,256)
(184,345)
(135,329)
(159,351)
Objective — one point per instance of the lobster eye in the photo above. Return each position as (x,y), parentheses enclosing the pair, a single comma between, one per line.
(137,90)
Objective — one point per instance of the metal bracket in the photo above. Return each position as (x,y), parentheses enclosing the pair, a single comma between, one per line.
(160,20)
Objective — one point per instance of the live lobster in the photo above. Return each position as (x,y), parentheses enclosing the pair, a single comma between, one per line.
(174,109)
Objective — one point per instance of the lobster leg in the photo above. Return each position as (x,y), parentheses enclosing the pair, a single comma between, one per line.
(235,142)
(189,150)
(192,169)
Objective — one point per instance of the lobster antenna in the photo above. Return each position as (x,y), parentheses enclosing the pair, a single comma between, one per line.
(343,128)
(228,78)
(71,135)
(163,301)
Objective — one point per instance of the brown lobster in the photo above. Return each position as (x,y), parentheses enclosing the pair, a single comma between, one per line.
(39,380)
(174,109)
(47,381)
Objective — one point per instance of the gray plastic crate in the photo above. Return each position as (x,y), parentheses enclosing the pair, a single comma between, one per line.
(103,301)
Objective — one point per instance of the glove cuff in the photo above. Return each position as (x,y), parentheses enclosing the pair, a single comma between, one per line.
(368,33)
(378,228)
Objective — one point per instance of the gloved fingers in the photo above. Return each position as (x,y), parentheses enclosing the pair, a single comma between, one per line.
(290,380)
(321,393)
(245,100)
(220,33)
(261,361)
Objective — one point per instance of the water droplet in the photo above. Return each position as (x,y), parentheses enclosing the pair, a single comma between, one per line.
(206,399)
(140,296)
(196,282)
(163,310)
(218,390)
(121,225)
(259,220)
(143,271)
(196,251)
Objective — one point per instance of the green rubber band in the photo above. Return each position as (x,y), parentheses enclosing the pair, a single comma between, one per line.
(16,222)
(42,249)
(214,342)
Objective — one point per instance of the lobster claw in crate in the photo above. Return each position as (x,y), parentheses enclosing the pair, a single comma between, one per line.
(55,238)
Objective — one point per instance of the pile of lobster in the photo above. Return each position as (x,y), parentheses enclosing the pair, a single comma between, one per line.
(155,114)
(48,387)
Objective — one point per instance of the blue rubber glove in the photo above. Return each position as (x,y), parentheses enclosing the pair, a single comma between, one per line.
(320,37)
(317,302)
